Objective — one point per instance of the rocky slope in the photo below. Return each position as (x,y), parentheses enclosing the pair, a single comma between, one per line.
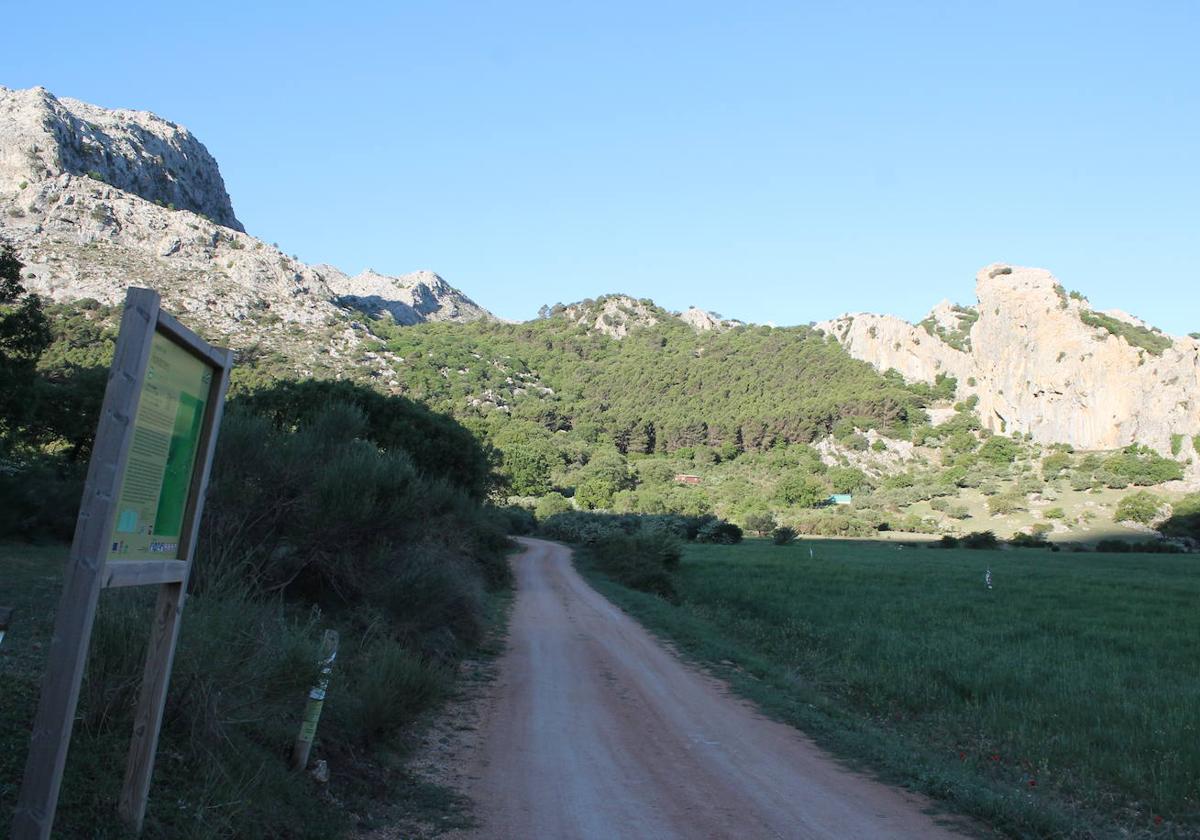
(1042,362)
(97,200)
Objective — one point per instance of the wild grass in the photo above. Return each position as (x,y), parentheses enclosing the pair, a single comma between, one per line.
(1063,702)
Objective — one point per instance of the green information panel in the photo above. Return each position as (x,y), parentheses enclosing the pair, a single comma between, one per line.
(166,434)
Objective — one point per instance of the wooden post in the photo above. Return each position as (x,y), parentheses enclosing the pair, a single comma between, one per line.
(34,816)
(316,701)
(90,569)
(168,613)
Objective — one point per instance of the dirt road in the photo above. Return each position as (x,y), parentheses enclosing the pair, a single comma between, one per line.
(594,730)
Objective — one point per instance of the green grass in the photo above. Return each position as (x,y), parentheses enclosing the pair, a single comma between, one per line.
(1065,702)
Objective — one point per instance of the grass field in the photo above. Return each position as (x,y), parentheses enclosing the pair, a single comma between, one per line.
(1064,702)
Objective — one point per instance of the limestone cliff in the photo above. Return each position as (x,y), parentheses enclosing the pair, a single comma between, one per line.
(1042,362)
(98,200)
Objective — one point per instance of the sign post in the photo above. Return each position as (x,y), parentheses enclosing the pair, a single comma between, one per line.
(137,525)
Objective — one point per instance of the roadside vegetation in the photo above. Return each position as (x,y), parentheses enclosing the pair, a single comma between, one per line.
(331,506)
(1062,702)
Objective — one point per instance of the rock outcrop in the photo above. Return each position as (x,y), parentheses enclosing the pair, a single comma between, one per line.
(96,201)
(42,136)
(1043,363)
(410,298)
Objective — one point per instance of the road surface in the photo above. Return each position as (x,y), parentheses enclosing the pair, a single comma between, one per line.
(594,730)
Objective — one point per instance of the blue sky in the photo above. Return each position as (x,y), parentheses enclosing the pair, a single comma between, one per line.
(779,162)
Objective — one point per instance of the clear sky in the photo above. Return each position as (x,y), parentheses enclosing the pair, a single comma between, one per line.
(779,162)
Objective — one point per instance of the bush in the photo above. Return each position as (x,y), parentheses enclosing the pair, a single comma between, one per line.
(1185,518)
(720,532)
(783,535)
(1138,507)
(1022,540)
(959,512)
(640,561)
(760,522)
(1055,513)
(980,540)
(391,687)
(1006,503)
(1141,466)
(948,541)
(999,450)
(550,505)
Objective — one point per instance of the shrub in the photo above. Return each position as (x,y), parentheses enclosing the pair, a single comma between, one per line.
(783,535)
(720,532)
(639,561)
(980,540)
(1138,507)
(959,512)
(1152,341)
(999,450)
(391,686)
(1185,518)
(1141,466)
(798,490)
(1023,540)
(1176,444)
(1055,513)
(1006,503)
(948,541)
(550,505)
(760,522)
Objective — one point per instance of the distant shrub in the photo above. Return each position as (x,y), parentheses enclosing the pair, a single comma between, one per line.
(1142,466)
(958,512)
(1054,464)
(879,445)
(980,540)
(999,450)
(1149,340)
(639,561)
(1006,503)
(1055,513)
(1185,518)
(550,505)
(1176,444)
(760,522)
(720,532)
(948,541)
(1141,506)
(783,535)
(1023,540)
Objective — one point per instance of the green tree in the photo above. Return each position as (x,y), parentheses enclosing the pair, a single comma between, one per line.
(1138,507)
(799,490)
(999,450)
(24,335)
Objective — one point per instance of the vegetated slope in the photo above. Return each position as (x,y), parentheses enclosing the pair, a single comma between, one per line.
(1042,362)
(661,387)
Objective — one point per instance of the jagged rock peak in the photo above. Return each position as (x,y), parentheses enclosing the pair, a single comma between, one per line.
(43,136)
(410,298)
(1043,362)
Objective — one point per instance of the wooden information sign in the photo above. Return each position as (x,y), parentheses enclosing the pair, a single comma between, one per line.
(137,526)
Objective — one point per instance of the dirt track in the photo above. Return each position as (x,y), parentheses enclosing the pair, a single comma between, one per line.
(594,730)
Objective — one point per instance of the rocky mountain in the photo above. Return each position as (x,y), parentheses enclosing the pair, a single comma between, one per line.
(96,200)
(1042,362)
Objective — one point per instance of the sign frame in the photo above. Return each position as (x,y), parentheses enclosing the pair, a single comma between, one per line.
(89,569)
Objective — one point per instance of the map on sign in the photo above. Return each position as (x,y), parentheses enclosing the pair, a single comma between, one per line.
(158,475)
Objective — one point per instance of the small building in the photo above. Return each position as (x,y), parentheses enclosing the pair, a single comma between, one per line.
(840,499)
(687,479)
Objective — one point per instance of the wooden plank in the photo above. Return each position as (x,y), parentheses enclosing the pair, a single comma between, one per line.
(142,572)
(167,618)
(34,814)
